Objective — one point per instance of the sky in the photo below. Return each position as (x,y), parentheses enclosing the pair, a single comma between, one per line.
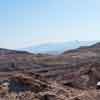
(31,22)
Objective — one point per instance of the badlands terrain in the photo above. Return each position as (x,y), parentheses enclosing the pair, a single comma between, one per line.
(72,75)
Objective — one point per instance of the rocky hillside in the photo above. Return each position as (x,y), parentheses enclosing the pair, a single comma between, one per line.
(28,86)
(60,67)
(76,70)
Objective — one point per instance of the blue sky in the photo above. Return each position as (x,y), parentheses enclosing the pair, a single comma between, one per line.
(30,22)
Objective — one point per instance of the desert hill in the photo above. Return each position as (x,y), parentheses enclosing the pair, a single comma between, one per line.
(77,69)
(51,66)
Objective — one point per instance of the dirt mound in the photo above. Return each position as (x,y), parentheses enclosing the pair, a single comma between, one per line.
(22,86)
(34,87)
(23,82)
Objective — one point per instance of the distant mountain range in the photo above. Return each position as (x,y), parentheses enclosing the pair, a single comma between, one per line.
(57,48)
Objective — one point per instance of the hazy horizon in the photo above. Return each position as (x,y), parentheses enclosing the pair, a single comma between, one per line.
(31,22)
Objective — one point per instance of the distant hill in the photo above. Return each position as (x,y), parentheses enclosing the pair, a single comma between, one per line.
(57,48)
(4,51)
(92,48)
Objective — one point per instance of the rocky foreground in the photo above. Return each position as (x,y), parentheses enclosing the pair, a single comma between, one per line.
(29,86)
